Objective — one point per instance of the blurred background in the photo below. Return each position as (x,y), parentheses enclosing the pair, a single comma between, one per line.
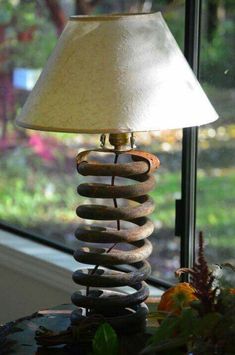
(38,176)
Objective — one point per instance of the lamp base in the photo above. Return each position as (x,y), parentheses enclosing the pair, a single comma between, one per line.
(122,311)
(132,320)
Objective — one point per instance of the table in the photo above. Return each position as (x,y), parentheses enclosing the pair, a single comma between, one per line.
(18,337)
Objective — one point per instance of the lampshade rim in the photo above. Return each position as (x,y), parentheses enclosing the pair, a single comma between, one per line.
(110,17)
(105,130)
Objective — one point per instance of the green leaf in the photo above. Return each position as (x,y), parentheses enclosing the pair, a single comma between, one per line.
(166,330)
(105,341)
(174,331)
(154,317)
(188,322)
(207,324)
(165,345)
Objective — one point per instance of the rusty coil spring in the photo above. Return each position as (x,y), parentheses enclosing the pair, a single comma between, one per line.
(106,302)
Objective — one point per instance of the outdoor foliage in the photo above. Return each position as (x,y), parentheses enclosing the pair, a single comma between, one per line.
(29,37)
(218,47)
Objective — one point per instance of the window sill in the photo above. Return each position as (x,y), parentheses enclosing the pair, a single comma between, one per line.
(42,263)
(35,276)
(37,261)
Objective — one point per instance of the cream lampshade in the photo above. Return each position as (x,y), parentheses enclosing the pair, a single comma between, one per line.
(118,73)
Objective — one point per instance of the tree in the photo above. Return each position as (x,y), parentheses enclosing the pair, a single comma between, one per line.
(57,14)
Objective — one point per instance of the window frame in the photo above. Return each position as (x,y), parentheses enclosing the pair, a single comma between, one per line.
(187,204)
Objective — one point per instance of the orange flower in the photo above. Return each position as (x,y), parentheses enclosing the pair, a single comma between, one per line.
(232,291)
(176,298)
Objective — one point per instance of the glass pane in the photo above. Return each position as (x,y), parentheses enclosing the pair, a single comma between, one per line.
(38,177)
(216,169)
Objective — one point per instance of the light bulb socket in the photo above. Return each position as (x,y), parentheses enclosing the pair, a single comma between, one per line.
(120,141)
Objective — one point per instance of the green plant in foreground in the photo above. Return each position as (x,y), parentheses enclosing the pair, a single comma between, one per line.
(206,325)
(105,341)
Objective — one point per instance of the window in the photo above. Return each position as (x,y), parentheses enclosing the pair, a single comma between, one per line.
(38,178)
(216,163)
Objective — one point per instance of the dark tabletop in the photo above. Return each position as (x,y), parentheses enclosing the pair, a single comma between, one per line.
(18,337)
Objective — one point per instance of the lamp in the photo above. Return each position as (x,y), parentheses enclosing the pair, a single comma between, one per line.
(116,74)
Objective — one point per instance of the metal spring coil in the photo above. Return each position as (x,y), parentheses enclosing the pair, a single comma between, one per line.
(118,308)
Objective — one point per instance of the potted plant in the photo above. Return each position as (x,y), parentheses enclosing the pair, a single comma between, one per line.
(196,317)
